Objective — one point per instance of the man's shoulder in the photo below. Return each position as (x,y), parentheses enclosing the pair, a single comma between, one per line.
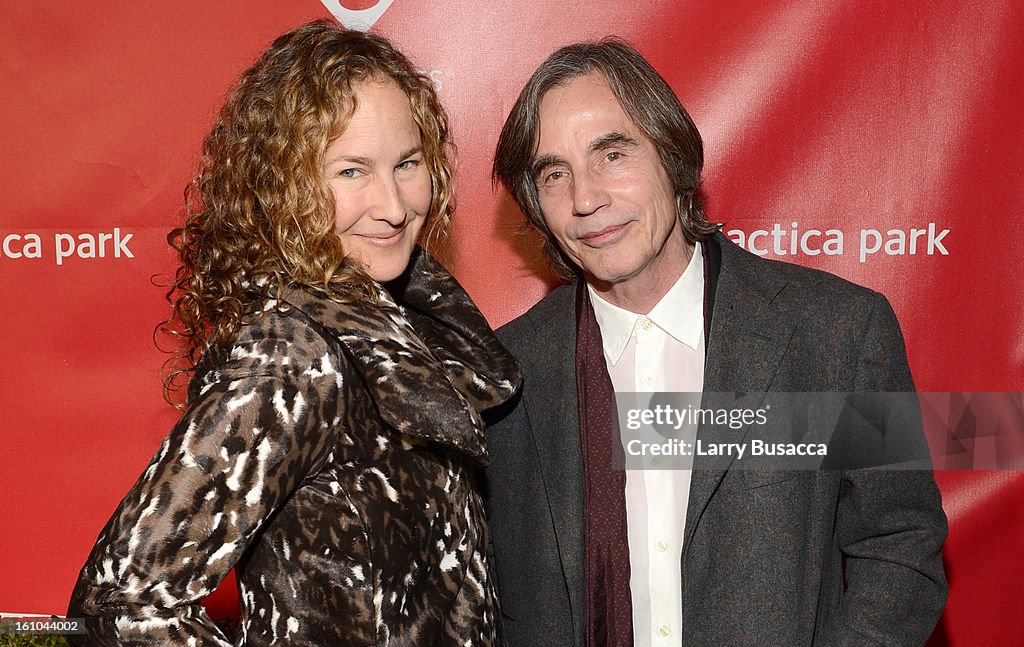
(550,317)
(803,287)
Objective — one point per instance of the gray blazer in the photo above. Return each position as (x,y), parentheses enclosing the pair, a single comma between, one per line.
(765,553)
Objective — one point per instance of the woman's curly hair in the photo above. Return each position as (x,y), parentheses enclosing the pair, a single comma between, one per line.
(259,214)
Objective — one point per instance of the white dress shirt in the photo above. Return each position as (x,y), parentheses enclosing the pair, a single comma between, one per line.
(660,352)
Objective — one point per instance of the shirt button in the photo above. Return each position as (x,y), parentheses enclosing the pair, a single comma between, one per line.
(647,324)
(662,547)
(664,630)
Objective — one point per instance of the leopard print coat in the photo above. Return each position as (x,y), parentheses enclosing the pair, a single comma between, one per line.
(330,452)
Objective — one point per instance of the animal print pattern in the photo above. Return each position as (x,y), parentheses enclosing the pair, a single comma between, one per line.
(331,453)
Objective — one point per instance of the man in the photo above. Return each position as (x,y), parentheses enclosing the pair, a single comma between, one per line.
(605,162)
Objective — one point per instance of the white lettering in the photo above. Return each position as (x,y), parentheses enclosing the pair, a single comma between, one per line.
(865,248)
(811,242)
(935,242)
(65,246)
(100,245)
(720,449)
(29,249)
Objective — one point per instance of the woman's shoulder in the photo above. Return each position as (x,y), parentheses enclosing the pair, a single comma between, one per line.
(279,340)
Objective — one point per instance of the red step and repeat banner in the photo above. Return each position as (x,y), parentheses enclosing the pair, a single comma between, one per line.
(880,141)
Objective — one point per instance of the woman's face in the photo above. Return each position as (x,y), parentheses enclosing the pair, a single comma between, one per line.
(380,180)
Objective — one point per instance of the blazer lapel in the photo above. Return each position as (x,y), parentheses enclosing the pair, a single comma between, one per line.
(552,408)
(747,340)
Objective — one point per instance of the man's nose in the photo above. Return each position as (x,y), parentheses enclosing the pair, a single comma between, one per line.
(588,193)
(389,205)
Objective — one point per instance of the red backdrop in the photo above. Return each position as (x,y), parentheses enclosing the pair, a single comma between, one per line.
(870,119)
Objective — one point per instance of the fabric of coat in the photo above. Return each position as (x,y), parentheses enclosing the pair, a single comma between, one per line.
(332,452)
(770,557)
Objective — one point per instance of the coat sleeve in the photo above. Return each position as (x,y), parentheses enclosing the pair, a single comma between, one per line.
(890,522)
(246,441)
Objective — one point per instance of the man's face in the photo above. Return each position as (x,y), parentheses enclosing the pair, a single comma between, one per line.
(603,191)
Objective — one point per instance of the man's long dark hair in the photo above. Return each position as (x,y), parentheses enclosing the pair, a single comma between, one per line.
(646,98)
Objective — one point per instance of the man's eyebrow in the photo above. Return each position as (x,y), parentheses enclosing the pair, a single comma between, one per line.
(612,140)
(608,140)
(541,163)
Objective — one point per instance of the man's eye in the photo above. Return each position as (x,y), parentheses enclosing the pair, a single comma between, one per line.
(408,164)
(613,155)
(554,176)
(349,173)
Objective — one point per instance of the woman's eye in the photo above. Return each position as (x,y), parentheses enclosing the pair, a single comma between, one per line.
(408,164)
(349,173)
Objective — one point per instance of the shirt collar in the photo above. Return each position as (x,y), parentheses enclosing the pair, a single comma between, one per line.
(680,313)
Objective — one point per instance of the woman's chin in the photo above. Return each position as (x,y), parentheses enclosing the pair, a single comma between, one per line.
(383,268)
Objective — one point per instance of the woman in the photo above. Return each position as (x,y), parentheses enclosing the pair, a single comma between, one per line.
(333,424)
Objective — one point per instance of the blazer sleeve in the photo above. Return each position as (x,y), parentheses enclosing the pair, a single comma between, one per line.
(890,522)
(244,444)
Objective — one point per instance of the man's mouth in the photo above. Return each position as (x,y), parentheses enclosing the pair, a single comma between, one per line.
(604,236)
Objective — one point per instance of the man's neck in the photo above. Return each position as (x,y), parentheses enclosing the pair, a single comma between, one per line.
(641,293)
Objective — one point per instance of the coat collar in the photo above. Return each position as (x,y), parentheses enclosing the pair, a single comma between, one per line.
(552,407)
(747,340)
(748,333)
(424,352)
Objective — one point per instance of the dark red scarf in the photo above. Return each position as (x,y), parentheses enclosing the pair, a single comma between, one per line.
(609,609)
